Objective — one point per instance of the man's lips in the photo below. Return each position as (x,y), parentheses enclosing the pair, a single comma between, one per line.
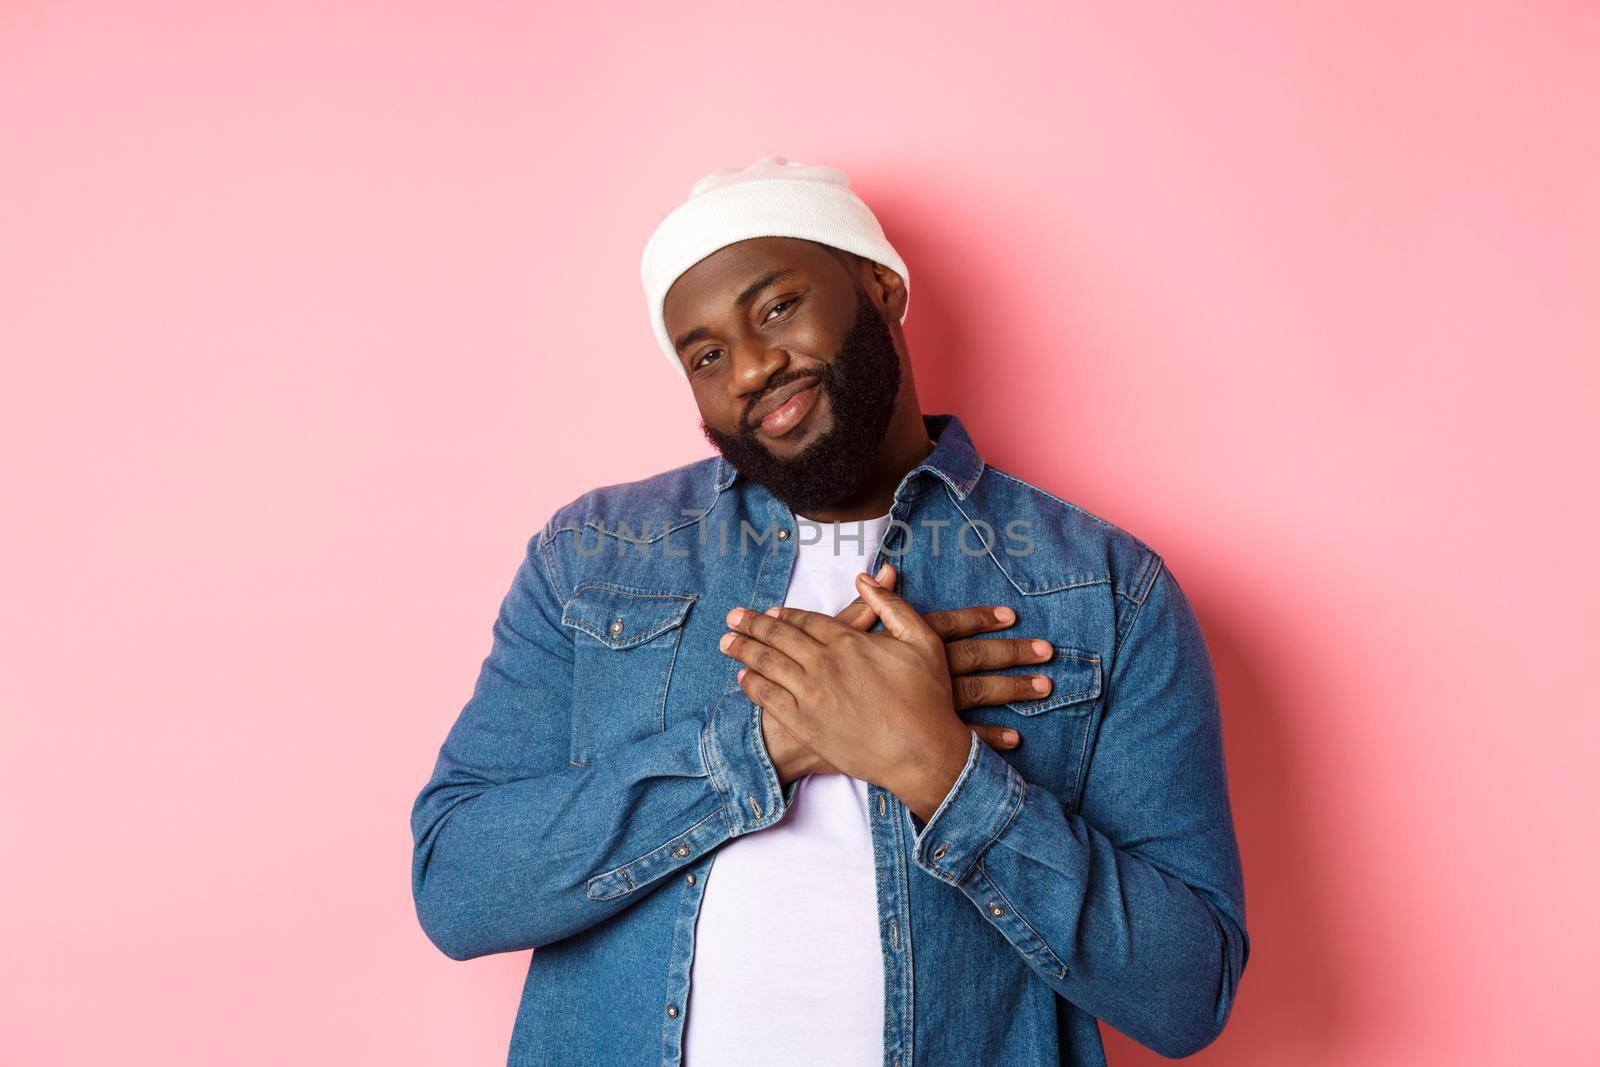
(779,397)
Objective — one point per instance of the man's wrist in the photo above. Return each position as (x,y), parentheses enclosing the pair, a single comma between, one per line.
(930,780)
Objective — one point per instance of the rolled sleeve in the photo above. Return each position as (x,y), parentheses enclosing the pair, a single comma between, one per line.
(740,767)
(985,798)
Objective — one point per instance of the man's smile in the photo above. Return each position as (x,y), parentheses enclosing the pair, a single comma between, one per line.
(790,410)
(778,396)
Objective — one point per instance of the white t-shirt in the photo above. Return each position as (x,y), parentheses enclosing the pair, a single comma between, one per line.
(787,951)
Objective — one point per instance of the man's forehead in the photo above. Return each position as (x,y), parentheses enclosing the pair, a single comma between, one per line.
(734,265)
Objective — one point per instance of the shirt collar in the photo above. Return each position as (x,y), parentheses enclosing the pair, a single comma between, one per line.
(954,459)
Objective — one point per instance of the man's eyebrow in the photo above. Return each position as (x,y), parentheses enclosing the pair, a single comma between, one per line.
(741,300)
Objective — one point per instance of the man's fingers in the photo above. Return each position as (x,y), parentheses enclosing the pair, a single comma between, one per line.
(953,623)
(992,653)
(899,617)
(858,614)
(771,661)
(973,690)
(772,697)
(816,625)
(767,628)
(996,736)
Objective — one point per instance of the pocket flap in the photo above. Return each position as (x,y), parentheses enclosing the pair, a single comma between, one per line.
(1074,679)
(622,618)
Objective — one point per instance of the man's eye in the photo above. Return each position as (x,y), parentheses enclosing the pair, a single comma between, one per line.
(770,312)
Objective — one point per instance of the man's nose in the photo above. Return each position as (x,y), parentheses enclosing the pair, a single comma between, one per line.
(755,362)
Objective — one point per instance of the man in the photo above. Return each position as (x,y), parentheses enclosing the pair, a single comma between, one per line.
(750,806)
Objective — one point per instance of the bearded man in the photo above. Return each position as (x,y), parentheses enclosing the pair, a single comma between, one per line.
(751,804)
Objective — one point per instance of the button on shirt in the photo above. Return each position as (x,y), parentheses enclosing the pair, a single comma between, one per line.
(788,964)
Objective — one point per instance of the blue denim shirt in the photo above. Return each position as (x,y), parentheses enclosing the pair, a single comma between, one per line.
(579,800)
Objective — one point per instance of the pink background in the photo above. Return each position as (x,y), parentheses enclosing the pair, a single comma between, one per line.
(310,317)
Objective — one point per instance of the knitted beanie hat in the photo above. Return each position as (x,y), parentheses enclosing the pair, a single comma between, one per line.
(772,197)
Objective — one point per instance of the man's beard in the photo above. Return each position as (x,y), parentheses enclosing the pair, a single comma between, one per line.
(861,385)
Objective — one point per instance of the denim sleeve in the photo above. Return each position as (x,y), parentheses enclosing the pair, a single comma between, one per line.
(1134,909)
(516,847)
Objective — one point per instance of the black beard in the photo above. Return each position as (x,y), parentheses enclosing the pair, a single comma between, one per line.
(861,384)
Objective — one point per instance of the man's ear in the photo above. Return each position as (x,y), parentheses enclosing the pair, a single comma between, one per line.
(889,289)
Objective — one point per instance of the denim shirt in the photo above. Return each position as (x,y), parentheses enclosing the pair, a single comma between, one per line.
(578,802)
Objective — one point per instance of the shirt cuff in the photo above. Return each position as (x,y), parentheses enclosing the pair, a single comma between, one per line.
(985,798)
(737,761)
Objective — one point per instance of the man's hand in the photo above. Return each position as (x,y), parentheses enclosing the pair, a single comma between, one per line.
(965,655)
(885,705)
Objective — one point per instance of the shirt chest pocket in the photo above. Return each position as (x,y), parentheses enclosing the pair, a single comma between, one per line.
(1074,684)
(1057,727)
(624,646)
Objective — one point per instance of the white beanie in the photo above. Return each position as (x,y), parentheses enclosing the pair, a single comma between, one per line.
(771,197)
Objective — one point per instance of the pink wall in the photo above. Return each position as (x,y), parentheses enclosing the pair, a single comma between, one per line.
(311,316)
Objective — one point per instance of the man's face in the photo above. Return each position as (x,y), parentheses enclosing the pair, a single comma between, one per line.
(813,335)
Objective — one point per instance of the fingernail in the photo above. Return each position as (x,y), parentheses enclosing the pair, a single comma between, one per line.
(1041,649)
(1040,684)
(740,675)
(1005,615)
(727,639)
(1011,737)
(883,572)
(773,611)
(736,616)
